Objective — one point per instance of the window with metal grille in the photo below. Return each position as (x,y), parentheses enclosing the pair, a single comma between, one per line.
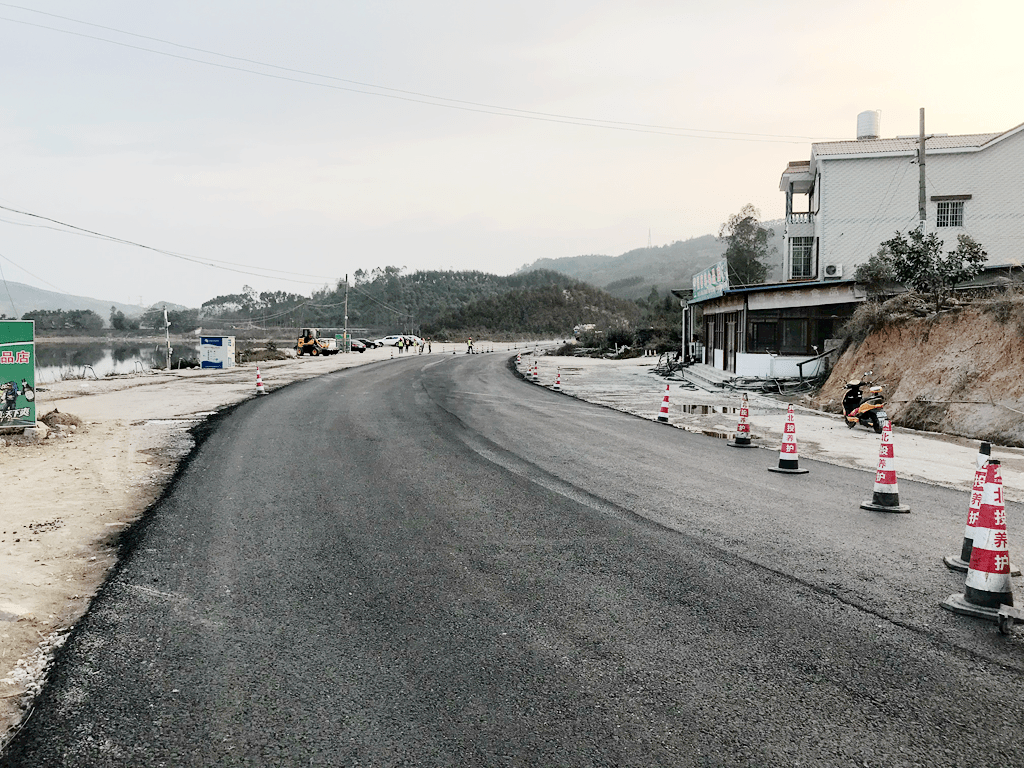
(950,213)
(801,252)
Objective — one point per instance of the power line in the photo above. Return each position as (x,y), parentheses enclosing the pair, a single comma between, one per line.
(215,263)
(37,277)
(421,98)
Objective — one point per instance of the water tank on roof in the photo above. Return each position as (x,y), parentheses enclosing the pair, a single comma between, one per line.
(869,124)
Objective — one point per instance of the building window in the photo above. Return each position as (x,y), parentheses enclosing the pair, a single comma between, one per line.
(801,257)
(950,214)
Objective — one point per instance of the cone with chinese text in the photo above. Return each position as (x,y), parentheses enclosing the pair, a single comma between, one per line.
(742,437)
(987,586)
(962,561)
(260,389)
(663,416)
(789,457)
(886,496)
(558,380)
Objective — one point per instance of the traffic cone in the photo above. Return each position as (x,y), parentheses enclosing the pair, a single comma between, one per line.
(558,380)
(742,436)
(886,497)
(963,561)
(519,359)
(663,416)
(987,586)
(789,457)
(535,376)
(260,389)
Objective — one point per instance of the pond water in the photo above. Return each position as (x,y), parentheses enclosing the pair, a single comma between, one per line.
(55,362)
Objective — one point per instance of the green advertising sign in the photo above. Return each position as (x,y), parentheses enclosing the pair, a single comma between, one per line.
(17,373)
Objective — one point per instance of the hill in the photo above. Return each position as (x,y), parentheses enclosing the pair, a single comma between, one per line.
(631,275)
(541,310)
(387,301)
(18,299)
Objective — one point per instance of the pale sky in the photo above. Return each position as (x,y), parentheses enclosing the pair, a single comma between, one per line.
(273,174)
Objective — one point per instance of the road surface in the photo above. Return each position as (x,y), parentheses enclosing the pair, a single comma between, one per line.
(429,562)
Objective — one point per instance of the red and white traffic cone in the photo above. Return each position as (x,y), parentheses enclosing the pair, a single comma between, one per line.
(742,437)
(663,416)
(987,586)
(535,376)
(260,389)
(886,497)
(963,561)
(519,359)
(558,380)
(789,457)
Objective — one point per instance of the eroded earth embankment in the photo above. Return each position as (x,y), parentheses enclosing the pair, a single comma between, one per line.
(960,372)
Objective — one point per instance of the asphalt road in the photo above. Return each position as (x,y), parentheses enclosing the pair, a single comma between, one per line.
(429,562)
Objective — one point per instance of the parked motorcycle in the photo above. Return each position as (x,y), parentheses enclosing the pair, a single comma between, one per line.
(860,410)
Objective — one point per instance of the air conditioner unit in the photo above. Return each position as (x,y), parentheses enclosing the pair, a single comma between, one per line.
(833,270)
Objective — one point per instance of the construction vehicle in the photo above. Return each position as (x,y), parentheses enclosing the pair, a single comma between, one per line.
(311,343)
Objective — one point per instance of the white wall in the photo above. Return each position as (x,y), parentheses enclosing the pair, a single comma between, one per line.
(761,365)
(865,201)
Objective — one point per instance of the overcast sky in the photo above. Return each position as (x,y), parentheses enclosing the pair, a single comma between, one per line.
(314,180)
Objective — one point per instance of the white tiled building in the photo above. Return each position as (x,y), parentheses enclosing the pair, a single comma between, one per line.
(853,195)
(840,206)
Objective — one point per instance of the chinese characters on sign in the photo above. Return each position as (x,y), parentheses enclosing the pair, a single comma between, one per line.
(712,282)
(17,373)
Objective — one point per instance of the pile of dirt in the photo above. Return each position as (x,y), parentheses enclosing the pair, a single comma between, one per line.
(55,419)
(955,372)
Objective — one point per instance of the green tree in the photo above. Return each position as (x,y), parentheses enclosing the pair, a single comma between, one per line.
(746,246)
(919,262)
(877,274)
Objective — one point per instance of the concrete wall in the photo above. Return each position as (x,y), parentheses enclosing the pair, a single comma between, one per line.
(761,365)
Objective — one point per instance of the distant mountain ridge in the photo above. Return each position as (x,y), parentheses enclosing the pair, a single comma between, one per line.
(17,298)
(632,274)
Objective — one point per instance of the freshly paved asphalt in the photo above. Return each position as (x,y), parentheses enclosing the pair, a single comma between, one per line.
(428,562)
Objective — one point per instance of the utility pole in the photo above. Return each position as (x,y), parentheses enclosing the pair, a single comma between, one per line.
(348,346)
(922,201)
(167,335)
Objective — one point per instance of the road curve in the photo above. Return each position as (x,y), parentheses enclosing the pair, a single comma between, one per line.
(430,562)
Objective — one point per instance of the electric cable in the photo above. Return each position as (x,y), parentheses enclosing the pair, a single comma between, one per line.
(215,263)
(420,98)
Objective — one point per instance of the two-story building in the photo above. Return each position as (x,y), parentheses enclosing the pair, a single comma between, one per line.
(841,204)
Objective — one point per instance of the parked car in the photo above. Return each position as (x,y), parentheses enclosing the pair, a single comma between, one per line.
(388,341)
(369,344)
(357,345)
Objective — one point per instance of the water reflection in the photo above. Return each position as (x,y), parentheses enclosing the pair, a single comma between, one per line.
(55,362)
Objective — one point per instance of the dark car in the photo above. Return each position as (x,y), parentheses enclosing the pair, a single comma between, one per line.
(358,346)
(368,344)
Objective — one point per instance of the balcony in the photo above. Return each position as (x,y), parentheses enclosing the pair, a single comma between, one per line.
(800,225)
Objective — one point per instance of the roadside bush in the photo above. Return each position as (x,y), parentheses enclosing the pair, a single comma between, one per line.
(872,316)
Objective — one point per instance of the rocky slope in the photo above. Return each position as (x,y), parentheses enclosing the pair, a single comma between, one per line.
(959,372)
